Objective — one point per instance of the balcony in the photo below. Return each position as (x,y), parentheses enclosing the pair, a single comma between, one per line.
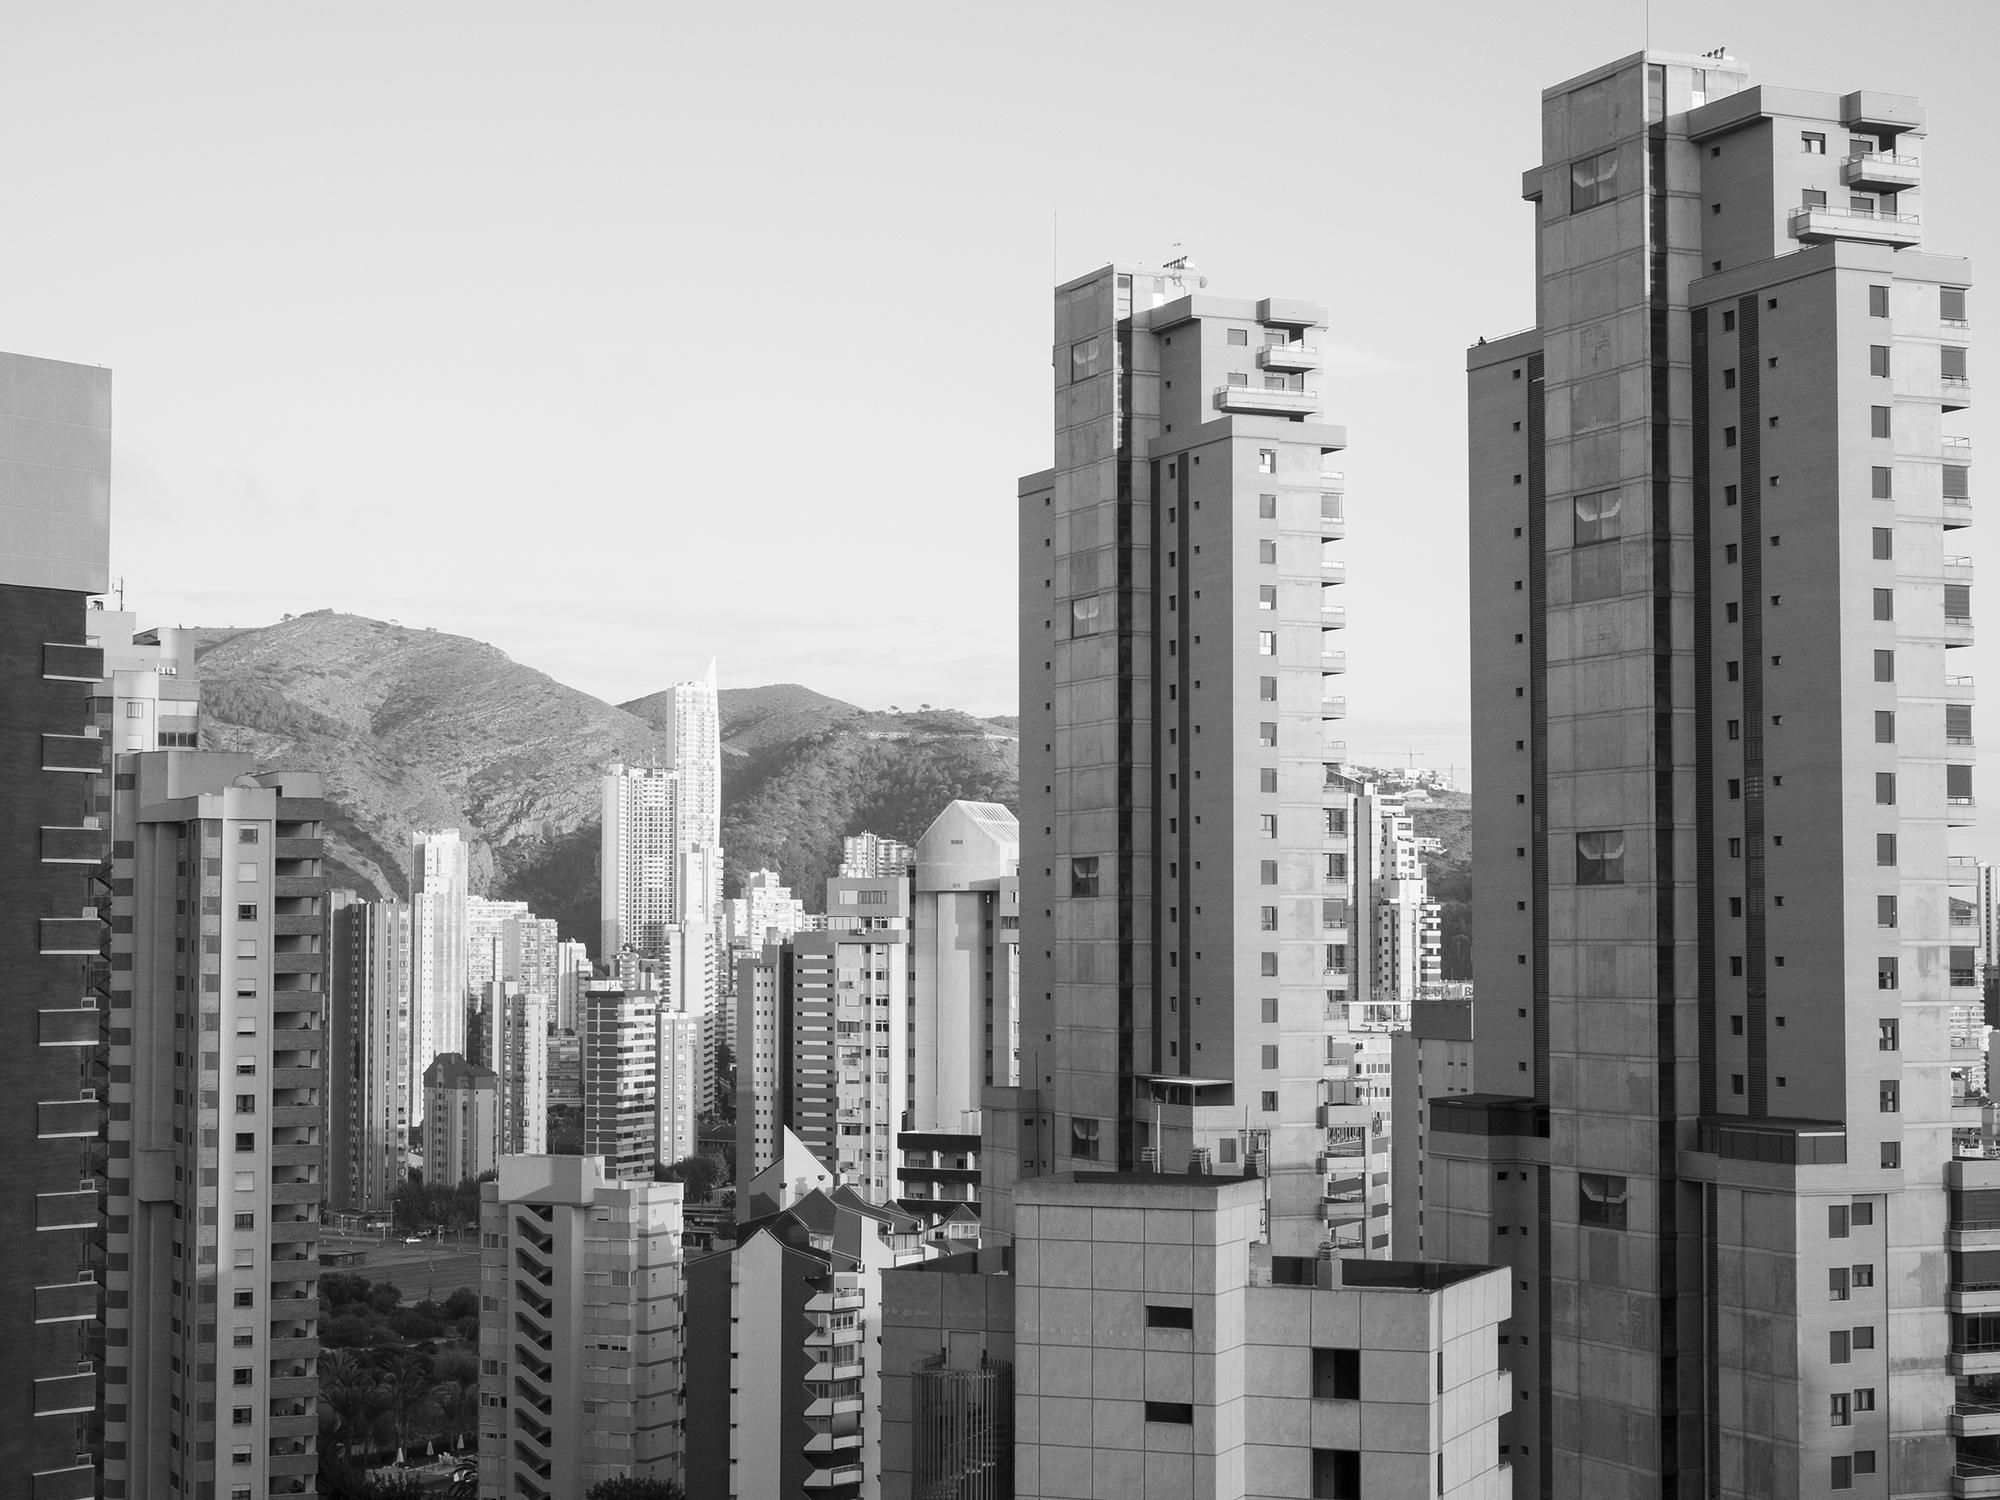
(1333,570)
(828,1479)
(1254,399)
(1333,617)
(1292,358)
(1333,661)
(1954,392)
(1333,708)
(1958,690)
(1881,172)
(1332,510)
(1816,225)
(830,1442)
(72,752)
(1972,1477)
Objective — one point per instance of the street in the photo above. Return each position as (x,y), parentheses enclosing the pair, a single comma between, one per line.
(430,1271)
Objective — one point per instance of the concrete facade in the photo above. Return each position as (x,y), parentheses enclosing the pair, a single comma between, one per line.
(639,870)
(621,1086)
(368,1042)
(54,800)
(1180,700)
(218,1106)
(966,949)
(461,1120)
(440,886)
(580,1337)
(1154,1358)
(1712,495)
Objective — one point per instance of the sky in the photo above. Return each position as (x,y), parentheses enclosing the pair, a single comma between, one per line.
(623,336)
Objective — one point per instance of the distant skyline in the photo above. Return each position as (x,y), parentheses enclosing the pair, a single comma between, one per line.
(629,336)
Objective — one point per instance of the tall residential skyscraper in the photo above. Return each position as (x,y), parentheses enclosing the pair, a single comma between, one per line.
(368,1046)
(440,884)
(217,1105)
(54,520)
(1178,689)
(1712,498)
(621,1077)
(639,868)
(695,718)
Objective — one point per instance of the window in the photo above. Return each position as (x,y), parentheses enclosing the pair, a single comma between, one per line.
(1091,615)
(246,911)
(246,1221)
(242,1416)
(1838,1349)
(1336,1473)
(1729,379)
(1885,543)
(1878,360)
(1864,1338)
(1593,180)
(1951,362)
(1864,1461)
(1269,1058)
(1729,320)
(246,1104)
(1958,784)
(1864,1399)
(1267,735)
(1596,517)
(1958,723)
(1889,1096)
(1878,297)
(245,1141)
(1957,482)
(1600,1200)
(1885,848)
(1268,1102)
(1086,358)
(1267,872)
(1887,1039)
(1885,911)
(1734,728)
(240,1376)
(1841,1412)
(1083,1138)
(1158,1316)
(1836,1221)
(1732,671)
(1267,918)
(1729,552)
(1267,1009)
(1812,198)
(1267,460)
(1814,141)
(1886,975)
(1729,437)
(1240,336)
(1878,421)
(1267,689)
(1885,726)
(1267,778)
(1600,857)
(1836,1284)
(1880,481)
(1267,825)
(1178,1412)
(1083,875)
(1267,965)
(1337,1374)
(1843,1472)
(1267,507)
(1267,643)
(1735,789)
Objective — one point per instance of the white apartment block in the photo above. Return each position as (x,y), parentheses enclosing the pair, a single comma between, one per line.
(639,865)
(580,1351)
(440,887)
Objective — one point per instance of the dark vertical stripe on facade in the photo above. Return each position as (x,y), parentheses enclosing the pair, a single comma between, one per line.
(1127,616)
(1704,719)
(1538,721)
(1163,985)
(1711,1333)
(1545,1416)
(1665,812)
(1750,493)
(1184,765)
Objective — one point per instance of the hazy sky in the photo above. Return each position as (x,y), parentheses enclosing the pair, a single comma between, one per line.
(622,336)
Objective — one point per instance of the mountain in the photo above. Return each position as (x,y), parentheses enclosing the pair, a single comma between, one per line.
(417,729)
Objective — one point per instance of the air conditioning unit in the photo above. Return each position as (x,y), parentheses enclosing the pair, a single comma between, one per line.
(86,1185)
(88,1002)
(86,1093)
(86,1275)
(85,1367)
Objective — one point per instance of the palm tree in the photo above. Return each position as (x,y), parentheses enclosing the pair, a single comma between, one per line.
(352,1393)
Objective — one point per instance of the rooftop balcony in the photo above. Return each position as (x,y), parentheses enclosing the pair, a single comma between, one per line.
(1816,225)
(1254,399)
(1293,357)
(1881,172)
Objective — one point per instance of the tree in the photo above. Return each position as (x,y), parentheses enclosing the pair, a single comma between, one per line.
(626,1487)
(699,1174)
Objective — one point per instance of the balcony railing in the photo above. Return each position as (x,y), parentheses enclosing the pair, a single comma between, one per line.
(1294,356)
(1820,222)
(1250,398)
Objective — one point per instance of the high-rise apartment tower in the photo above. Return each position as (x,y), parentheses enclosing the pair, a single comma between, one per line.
(1714,494)
(1178,692)
(440,884)
(368,1042)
